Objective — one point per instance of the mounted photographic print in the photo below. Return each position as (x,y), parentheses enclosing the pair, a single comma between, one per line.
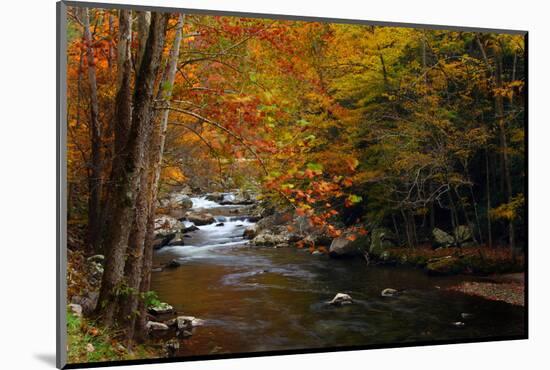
(235,185)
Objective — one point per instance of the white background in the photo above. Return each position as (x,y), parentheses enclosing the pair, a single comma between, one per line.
(27,182)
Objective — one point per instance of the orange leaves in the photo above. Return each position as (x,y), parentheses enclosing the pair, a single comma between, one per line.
(352,163)
(300,211)
(347,182)
(351,237)
(309,174)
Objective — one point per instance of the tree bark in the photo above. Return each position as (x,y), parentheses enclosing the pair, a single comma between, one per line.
(128,166)
(136,244)
(158,141)
(123,112)
(144,22)
(96,172)
(499,110)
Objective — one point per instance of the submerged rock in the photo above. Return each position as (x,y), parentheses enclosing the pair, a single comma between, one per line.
(389,292)
(187,322)
(173,264)
(220,224)
(341,299)
(190,229)
(177,240)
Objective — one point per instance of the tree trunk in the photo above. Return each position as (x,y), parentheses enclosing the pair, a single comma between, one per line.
(407,229)
(158,140)
(123,112)
(96,173)
(499,110)
(488,187)
(136,243)
(144,22)
(128,166)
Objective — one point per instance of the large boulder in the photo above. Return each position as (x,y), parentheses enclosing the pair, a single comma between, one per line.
(441,239)
(161,309)
(215,197)
(161,240)
(165,225)
(176,240)
(240,198)
(185,202)
(176,200)
(153,326)
(463,234)
(199,218)
(444,266)
(267,238)
(318,238)
(250,232)
(348,245)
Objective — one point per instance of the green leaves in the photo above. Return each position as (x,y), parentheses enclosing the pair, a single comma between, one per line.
(316,167)
(354,199)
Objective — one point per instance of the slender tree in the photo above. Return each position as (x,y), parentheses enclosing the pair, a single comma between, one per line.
(96,165)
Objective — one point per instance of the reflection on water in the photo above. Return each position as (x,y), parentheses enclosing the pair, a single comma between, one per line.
(260,299)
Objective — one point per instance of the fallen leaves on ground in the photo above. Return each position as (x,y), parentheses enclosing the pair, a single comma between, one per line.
(512,293)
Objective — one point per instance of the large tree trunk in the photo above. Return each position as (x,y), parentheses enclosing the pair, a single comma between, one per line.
(128,166)
(123,111)
(96,170)
(134,261)
(158,140)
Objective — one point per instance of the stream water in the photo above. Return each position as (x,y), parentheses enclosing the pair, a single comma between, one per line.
(260,299)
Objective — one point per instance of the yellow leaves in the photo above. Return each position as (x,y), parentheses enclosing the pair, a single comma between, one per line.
(508,211)
(173,174)
(352,163)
